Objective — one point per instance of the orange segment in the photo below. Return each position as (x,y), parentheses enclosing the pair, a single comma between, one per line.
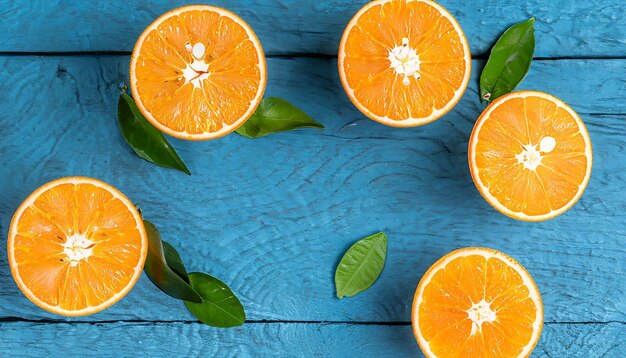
(477,302)
(76,246)
(404,63)
(198,72)
(530,156)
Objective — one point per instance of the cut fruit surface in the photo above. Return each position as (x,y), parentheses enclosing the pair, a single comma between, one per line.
(477,302)
(76,246)
(404,63)
(530,156)
(198,72)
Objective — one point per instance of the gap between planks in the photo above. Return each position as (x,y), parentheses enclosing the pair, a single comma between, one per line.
(360,323)
(482,56)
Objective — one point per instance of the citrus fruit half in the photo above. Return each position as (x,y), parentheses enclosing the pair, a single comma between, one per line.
(477,302)
(404,63)
(76,246)
(530,155)
(198,72)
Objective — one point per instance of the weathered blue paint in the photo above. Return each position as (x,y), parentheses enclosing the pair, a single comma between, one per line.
(187,339)
(272,216)
(564,27)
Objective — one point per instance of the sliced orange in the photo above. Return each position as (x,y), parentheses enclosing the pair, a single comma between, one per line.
(76,246)
(404,63)
(477,302)
(198,72)
(530,156)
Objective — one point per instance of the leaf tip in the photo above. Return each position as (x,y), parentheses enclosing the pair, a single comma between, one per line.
(380,234)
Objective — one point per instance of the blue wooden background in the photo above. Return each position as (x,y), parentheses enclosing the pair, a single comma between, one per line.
(271,217)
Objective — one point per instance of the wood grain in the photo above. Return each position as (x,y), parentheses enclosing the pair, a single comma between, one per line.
(266,339)
(565,28)
(271,217)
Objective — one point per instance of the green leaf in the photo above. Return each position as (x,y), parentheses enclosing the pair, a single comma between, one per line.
(174,261)
(220,307)
(509,61)
(275,115)
(361,265)
(147,141)
(158,269)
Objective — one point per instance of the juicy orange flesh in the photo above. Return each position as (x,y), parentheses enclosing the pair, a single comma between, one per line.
(223,98)
(376,85)
(523,121)
(443,317)
(59,213)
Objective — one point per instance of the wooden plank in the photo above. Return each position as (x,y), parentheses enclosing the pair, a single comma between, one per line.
(272,217)
(564,27)
(272,339)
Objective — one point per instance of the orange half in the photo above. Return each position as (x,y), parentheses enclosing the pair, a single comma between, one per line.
(198,72)
(76,246)
(530,156)
(477,302)
(404,63)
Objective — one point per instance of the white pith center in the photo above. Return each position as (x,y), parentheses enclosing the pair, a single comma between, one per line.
(77,247)
(480,313)
(531,156)
(405,61)
(197,71)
